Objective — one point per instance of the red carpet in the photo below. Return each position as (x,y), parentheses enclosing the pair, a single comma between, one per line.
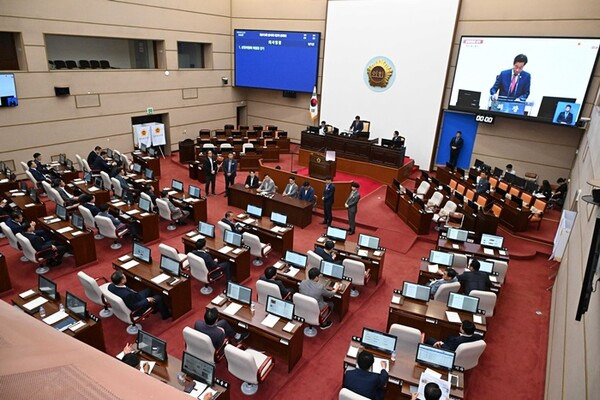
(507,367)
(366,185)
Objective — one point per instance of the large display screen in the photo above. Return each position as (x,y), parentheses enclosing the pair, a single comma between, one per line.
(538,78)
(8,91)
(277,60)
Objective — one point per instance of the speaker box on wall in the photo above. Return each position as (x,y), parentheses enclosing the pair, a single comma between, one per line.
(62,91)
(289,93)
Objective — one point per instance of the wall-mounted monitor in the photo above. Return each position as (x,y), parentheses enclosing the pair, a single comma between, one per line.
(8,90)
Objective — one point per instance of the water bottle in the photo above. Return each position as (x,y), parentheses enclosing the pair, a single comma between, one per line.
(393,355)
(61,307)
(252,307)
(42,312)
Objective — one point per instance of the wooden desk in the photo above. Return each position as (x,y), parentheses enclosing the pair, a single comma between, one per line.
(146,161)
(90,334)
(241,261)
(30,210)
(470,248)
(139,182)
(177,297)
(403,373)
(274,341)
(348,249)
(101,196)
(419,220)
(341,300)
(250,162)
(7,184)
(67,175)
(512,216)
(392,198)
(196,207)
(5,283)
(280,241)
(81,245)
(299,212)
(147,222)
(425,276)
(270,153)
(430,318)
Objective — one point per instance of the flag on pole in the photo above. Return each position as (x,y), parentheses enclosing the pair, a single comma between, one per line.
(314,105)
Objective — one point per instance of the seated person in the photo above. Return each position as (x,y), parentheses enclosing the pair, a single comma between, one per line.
(364,382)
(313,288)
(560,194)
(37,175)
(101,163)
(40,243)
(307,193)
(483,185)
(114,171)
(449,276)
(328,253)
(474,279)
(176,213)
(39,165)
(251,181)
(431,391)
(67,197)
(269,276)
(228,219)
(323,128)
(131,358)
(267,185)
(397,139)
(291,189)
(139,301)
(16,221)
(509,170)
(119,225)
(125,186)
(93,155)
(87,201)
(210,262)
(357,125)
(217,329)
(5,210)
(546,189)
(467,335)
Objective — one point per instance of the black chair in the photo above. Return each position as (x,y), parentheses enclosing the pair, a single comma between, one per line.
(104,64)
(229,127)
(95,64)
(71,64)
(84,64)
(60,64)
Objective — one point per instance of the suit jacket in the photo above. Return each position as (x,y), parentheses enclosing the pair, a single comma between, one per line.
(366,383)
(282,289)
(328,193)
(316,291)
(132,299)
(208,260)
(14,226)
(101,164)
(456,142)
(291,189)
(116,222)
(252,181)
(64,194)
(38,242)
(307,195)
(452,342)
(231,224)
(503,81)
(92,207)
(474,280)
(482,186)
(234,165)
(92,157)
(207,167)
(565,119)
(122,181)
(40,167)
(37,175)
(267,186)
(216,334)
(356,126)
(352,201)
(324,255)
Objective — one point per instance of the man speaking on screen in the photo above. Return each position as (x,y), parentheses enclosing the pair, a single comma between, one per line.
(513,83)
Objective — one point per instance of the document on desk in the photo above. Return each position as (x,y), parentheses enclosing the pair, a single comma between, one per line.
(433,268)
(129,264)
(502,252)
(363,253)
(29,205)
(493,279)
(4,180)
(489,252)
(232,309)
(18,194)
(192,233)
(139,180)
(199,388)
(160,278)
(190,200)
(377,253)
(249,221)
(195,238)
(292,271)
(321,239)
(35,303)
(52,221)
(225,249)
(27,294)
(76,326)
(270,320)
(396,299)
(238,250)
(119,204)
(124,258)
(455,246)
(133,212)
(65,229)
(427,377)
(220,299)
(289,327)
(150,363)
(77,233)
(278,264)
(376,368)
(453,316)
(54,318)
(352,351)
(93,189)
(241,215)
(276,229)
(172,192)
(478,319)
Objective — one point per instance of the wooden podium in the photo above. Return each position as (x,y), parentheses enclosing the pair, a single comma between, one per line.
(319,168)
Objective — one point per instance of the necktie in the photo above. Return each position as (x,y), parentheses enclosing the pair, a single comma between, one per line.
(229,168)
(513,84)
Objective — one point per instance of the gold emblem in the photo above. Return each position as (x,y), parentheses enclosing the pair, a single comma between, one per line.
(379,73)
(318,160)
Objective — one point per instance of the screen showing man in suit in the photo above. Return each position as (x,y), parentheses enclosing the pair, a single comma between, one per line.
(513,83)
(565,117)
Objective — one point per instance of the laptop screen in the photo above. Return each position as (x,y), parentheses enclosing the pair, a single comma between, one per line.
(254,211)
(378,340)
(239,293)
(61,212)
(141,252)
(148,173)
(232,238)
(295,259)
(278,219)
(137,168)
(459,235)
(494,241)
(484,265)
(47,288)
(205,229)
(177,185)
(462,302)
(370,242)
(77,221)
(144,204)
(152,346)
(415,291)
(434,357)
(198,369)
(336,233)
(76,306)
(281,308)
(170,265)
(332,270)
(441,258)
(194,191)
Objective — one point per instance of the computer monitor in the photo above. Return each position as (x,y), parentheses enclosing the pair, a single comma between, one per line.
(434,357)
(254,211)
(494,241)
(137,168)
(508,177)
(177,185)
(473,205)
(295,259)
(197,369)
(460,171)
(441,258)
(76,306)
(99,183)
(519,182)
(206,229)
(239,293)
(278,219)
(281,308)
(69,164)
(87,177)
(61,212)
(332,270)
(497,172)
(517,200)
(478,163)
(370,242)
(151,151)
(148,173)
(232,238)
(330,155)
(410,193)
(531,186)
(143,147)
(33,193)
(463,302)
(335,233)
(77,221)
(194,191)
(170,265)
(379,341)
(416,291)
(459,197)
(144,204)
(459,235)
(484,265)
(419,201)
(142,252)
(47,288)
(117,157)
(501,191)
(152,346)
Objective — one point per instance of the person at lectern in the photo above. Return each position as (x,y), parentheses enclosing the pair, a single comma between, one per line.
(396,139)
(352,206)
(565,117)
(323,128)
(455,145)
(328,197)
(357,125)
(513,83)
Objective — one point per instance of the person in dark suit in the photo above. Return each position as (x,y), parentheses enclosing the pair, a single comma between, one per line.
(230,171)
(217,329)
(87,201)
(327,253)
(357,125)
(67,197)
(307,193)
(397,140)
(210,262)
(328,198)
(210,168)
(39,165)
(37,175)
(228,219)
(513,83)
(352,206)
(565,117)
(252,180)
(466,335)
(455,145)
(269,276)
(101,164)
(15,222)
(473,279)
(483,185)
(41,243)
(139,301)
(363,382)
(431,392)
(91,158)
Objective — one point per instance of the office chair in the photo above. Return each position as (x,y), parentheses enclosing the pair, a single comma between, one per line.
(468,354)
(39,257)
(199,271)
(487,301)
(171,252)
(444,291)
(108,229)
(200,345)
(408,339)
(347,394)
(265,289)
(124,313)
(94,292)
(12,239)
(249,365)
(358,273)
(257,249)
(308,308)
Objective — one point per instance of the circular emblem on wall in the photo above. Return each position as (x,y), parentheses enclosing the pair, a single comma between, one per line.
(379,74)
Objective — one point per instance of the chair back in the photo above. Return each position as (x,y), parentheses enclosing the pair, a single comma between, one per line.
(55,196)
(24,165)
(540,205)
(501,267)
(253,242)
(423,188)
(88,217)
(347,394)
(314,260)
(146,196)
(514,191)
(265,289)
(241,364)
(223,227)
(227,146)
(450,207)
(408,339)
(453,184)
(117,187)
(503,185)
(459,261)
(47,188)
(86,166)
(470,194)
(163,209)
(436,199)
(90,287)
(31,178)
(125,161)
(208,146)
(106,180)
(487,301)
(78,157)
(307,308)
(168,251)
(496,210)
(481,201)
(117,305)
(28,250)
(366,126)
(246,146)
(493,182)
(106,227)
(12,239)
(526,197)
(355,270)
(467,354)
(444,291)
(198,267)
(199,344)
(460,188)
